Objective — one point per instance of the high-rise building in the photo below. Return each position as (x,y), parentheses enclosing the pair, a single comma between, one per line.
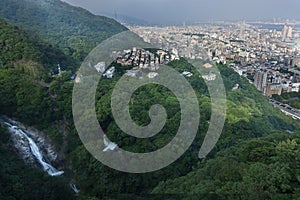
(284,32)
(290,32)
(273,88)
(260,80)
(287,32)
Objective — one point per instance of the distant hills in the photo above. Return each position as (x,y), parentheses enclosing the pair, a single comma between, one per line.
(129,20)
(74,30)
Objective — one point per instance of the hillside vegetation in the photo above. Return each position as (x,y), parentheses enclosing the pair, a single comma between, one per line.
(257,156)
(74,30)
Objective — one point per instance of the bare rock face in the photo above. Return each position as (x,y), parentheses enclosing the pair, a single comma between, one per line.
(22,147)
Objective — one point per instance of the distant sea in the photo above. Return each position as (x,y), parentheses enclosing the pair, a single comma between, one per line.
(278,27)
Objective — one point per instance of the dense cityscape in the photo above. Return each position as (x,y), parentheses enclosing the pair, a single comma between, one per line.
(268,56)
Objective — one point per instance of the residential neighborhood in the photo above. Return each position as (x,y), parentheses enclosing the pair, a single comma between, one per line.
(268,57)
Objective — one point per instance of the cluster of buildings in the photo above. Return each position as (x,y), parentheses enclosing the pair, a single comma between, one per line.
(272,82)
(143,58)
(267,54)
(144,62)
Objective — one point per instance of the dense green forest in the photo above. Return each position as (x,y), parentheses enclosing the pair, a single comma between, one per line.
(249,116)
(251,123)
(20,50)
(27,87)
(74,30)
(257,156)
(265,168)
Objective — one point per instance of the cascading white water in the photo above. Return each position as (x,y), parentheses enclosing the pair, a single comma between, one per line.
(35,151)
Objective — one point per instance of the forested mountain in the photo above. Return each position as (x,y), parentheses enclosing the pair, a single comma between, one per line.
(20,50)
(26,64)
(25,73)
(264,168)
(257,155)
(254,134)
(36,36)
(74,30)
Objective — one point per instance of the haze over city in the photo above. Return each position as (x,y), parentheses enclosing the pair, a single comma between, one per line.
(177,11)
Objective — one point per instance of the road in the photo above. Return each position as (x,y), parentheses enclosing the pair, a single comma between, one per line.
(295,113)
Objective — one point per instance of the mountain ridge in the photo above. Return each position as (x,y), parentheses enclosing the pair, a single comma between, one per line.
(74,30)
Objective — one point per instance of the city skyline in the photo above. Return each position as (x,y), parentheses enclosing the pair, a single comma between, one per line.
(176,12)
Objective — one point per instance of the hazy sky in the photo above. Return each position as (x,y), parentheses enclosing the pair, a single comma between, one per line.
(165,11)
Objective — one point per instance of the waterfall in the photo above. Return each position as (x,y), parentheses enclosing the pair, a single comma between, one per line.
(35,150)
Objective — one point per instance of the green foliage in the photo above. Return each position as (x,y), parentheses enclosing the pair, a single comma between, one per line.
(249,116)
(250,104)
(223,173)
(256,169)
(29,54)
(19,181)
(238,167)
(73,30)
(30,102)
